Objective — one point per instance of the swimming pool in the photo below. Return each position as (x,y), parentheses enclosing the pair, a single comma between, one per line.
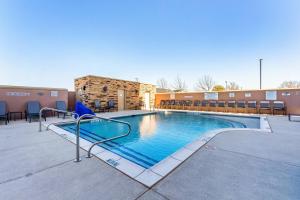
(154,137)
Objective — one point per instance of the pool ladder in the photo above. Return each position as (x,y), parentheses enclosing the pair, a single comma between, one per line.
(100,141)
(79,119)
(56,110)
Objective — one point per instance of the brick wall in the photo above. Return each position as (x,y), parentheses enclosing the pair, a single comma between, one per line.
(291,97)
(17,97)
(90,88)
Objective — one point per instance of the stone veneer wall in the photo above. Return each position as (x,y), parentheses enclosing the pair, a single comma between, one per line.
(90,88)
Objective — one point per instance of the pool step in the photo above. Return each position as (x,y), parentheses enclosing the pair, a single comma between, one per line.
(117,148)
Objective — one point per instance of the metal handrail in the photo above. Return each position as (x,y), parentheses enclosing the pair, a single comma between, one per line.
(98,142)
(52,109)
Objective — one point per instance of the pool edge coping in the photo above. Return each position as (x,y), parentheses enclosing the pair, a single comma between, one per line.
(151,176)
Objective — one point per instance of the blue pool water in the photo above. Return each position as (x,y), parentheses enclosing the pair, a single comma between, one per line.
(153,137)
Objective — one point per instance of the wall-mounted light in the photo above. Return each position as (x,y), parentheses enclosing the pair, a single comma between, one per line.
(105,89)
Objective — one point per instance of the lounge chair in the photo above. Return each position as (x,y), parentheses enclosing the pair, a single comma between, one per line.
(177,104)
(265,106)
(4,112)
(110,105)
(97,106)
(180,104)
(204,105)
(61,105)
(168,104)
(278,106)
(197,104)
(33,110)
(162,103)
(221,106)
(212,105)
(251,105)
(187,104)
(231,106)
(172,104)
(241,105)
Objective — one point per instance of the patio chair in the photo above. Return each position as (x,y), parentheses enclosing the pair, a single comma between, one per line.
(168,105)
(97,106)
(171,104)
(180,104)
(110,105)
(177,104)
(251,105)
(204,105)
(264,106)
(221,106)
(188,104)
(231,106)
(197,104)
(241,105)
(33,110)
(61,105)
(212,105)
(4,112)
(162,104)
(279,106)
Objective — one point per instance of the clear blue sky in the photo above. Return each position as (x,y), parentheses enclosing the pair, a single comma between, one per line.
(49,43)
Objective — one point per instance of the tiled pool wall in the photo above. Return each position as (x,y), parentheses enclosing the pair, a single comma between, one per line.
(249,121)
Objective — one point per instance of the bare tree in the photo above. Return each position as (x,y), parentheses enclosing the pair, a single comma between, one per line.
(290,84)
(205,83)
(179,85)
(233,86)
(162,83)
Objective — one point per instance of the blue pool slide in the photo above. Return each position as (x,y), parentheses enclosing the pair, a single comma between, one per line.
(81,109)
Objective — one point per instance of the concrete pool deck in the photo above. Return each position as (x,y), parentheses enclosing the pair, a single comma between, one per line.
(233,165)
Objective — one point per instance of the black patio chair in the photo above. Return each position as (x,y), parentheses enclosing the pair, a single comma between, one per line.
(231,105)
(61,105)
(279,106)
(204,105)
(251,105)
(188,104)
(212,104)
(168,104)
(111,105)
(197,104)
(177,104)
(162,104)
(33,110)
(264,105)
(221,104)
(4,112)
(241,104)
(97,106)
(172,103)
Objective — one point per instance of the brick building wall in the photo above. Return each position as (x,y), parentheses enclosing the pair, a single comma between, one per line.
(17,97)
(90,88)
(291,97)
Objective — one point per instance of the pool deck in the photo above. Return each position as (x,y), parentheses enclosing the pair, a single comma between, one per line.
(233,165)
